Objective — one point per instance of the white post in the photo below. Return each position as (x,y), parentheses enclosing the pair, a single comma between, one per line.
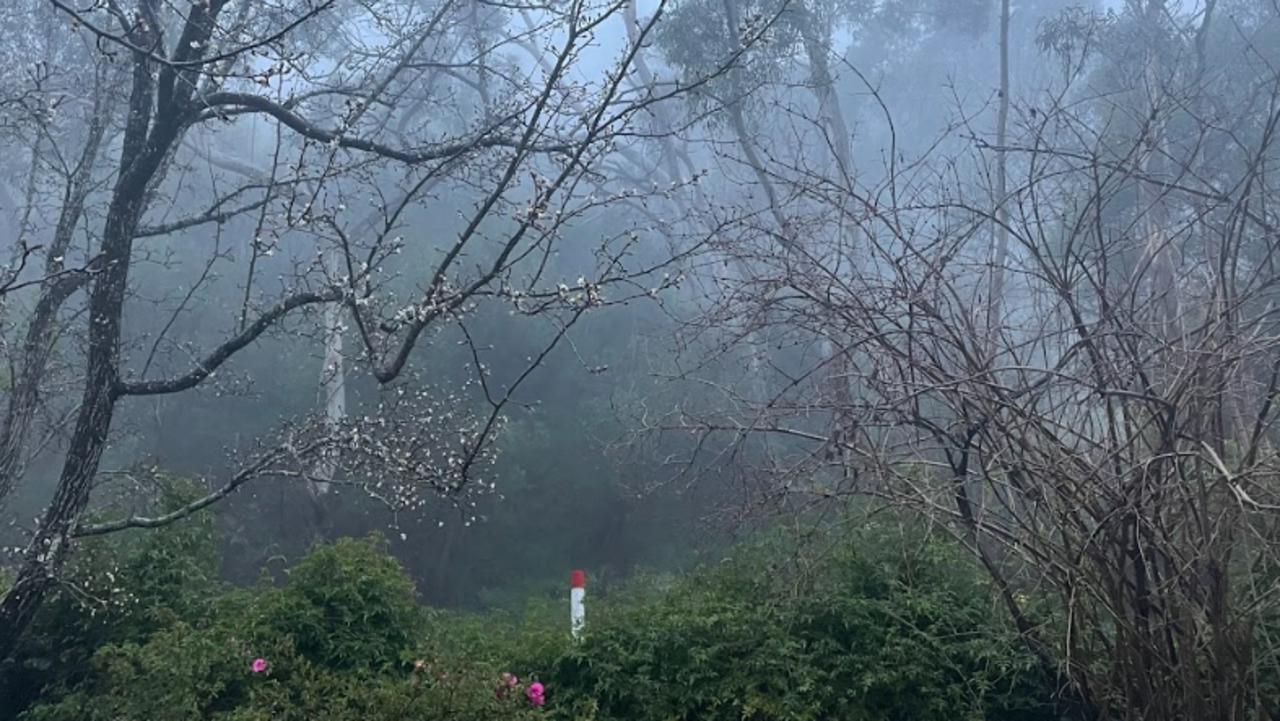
(577,610)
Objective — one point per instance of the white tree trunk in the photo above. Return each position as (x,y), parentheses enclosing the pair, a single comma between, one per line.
(333,381)
(1000,241)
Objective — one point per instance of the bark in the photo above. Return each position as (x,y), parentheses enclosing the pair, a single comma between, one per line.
(1152,203)
(158,113)
(1000,244)
(333,379)
(822,84)
(738,121)
(37,346)
(671,155)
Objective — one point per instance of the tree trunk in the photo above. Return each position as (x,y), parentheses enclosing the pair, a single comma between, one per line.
(333,380)
(823,87)
(1000,244)
(1152,203)
(37,346)
(839,367)
(47,550)
(146,145)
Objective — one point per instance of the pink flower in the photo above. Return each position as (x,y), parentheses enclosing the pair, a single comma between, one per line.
(534,694)
(259,665)
(508,681)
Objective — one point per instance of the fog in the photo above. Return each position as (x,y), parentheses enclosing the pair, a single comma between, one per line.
(615,284)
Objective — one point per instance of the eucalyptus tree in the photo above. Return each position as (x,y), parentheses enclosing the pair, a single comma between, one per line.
(1105,442)
(789,149)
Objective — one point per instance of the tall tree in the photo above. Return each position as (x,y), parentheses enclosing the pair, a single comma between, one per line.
(217,65)
(1110,450)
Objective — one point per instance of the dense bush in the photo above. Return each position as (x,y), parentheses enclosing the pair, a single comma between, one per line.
(887,626)
(117,589)
(335,641)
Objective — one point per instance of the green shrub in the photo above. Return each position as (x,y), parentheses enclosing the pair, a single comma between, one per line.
(339,640)
(116,589)
(889,626)
(188,673)
(881,631)
(347,606)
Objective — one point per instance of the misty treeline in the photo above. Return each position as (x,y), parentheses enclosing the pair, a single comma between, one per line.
(1007,265)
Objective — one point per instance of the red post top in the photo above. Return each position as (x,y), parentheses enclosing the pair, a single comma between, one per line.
(578,579)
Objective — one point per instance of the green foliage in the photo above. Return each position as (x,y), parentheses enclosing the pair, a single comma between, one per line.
(187,673)
(117,589)
(338,640)
(882,626)
(348,606)
(864,634)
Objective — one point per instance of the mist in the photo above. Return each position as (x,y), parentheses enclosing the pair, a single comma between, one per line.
(690,294)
